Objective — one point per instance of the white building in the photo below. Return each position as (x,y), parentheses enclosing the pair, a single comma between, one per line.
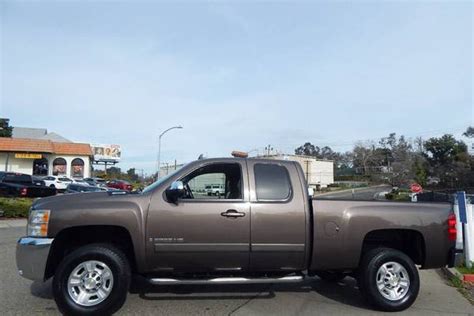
(42,157)
(317,172)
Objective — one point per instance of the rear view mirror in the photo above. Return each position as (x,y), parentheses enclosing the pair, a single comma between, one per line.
(175,191)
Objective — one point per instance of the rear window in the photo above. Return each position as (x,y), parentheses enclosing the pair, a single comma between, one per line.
(272,182)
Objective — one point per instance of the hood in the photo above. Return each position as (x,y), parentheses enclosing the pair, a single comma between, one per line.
(82,200)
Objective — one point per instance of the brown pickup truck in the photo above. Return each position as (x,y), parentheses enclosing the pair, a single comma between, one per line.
(265,228)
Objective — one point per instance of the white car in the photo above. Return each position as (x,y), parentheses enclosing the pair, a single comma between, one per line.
(58,182)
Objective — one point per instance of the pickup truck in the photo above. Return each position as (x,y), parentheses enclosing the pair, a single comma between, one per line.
(264,229)
(14,184)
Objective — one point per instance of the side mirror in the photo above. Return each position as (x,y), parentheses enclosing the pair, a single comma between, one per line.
(175,191)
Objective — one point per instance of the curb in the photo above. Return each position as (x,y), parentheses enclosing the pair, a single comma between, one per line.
(452,273)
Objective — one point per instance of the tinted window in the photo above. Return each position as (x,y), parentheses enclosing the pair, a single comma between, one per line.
(272,182)
(18,178)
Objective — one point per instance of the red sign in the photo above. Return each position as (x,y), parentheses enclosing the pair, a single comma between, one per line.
(416,188)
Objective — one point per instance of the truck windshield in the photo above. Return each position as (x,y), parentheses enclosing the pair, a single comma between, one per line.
(157,183)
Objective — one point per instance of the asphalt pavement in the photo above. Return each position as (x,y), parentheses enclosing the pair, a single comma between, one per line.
(19,296)
(368,193)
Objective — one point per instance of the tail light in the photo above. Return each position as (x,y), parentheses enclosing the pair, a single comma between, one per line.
(23,191)
(452,227)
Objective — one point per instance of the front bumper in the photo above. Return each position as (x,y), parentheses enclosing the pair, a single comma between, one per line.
(32,256)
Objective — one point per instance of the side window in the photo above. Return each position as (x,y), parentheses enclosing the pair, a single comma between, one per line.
(272,182)
(214,181)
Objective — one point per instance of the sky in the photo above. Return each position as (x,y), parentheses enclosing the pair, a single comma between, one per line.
(236,75)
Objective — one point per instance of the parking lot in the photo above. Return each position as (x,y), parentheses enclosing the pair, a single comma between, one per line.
(19,296)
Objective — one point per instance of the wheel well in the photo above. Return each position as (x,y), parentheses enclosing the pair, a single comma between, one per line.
(72,238)
(410,242)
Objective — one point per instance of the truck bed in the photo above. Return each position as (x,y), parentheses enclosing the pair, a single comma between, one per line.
(341,228)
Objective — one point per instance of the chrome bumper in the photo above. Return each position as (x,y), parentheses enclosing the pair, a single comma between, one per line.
(31,257)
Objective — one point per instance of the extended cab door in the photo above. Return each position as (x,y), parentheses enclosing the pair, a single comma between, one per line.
(279,231)
(205,231)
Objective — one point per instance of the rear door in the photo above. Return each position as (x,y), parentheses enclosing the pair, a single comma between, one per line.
(278,217)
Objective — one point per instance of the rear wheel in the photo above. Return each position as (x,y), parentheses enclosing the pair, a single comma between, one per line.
(92,280)
(388,279)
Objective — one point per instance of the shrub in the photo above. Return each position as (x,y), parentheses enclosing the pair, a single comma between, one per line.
(15,207)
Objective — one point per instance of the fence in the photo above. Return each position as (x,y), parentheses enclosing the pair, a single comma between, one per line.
(463,209)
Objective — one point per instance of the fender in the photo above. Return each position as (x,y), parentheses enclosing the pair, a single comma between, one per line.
(75,210)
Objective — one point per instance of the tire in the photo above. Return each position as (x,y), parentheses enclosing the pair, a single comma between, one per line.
(331,276)
(117,287)
(52,186)
(390,269)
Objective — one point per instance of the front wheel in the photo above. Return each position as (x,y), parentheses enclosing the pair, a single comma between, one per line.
(388,279)
(92,280)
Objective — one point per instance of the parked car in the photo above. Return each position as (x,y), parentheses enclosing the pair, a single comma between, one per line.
(266,230)
(58,182)
(79,181)
(95,181)
(120,184)
(38,181)
(215,189)
(22,185)
(79,188)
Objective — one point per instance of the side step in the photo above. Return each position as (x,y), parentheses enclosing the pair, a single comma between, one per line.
(239,280)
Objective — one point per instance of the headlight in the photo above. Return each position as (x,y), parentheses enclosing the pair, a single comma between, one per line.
(38,223)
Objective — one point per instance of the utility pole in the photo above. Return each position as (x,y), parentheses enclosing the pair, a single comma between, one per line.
(159,148)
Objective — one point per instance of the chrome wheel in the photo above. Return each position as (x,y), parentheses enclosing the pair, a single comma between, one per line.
(90,283)
(393,281)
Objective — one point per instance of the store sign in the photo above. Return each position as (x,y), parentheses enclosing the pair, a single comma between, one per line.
(106,152)
(28,156)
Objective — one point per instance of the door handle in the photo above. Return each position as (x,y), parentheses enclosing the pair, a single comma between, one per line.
(232,213)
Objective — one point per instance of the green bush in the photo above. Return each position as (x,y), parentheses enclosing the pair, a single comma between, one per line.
(15,207)
(397,195)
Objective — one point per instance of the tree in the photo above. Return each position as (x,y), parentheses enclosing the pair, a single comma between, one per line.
(131,175)
(309,149)
(469,132)
(114,173)
(5,128)
(365,157)
(448,159)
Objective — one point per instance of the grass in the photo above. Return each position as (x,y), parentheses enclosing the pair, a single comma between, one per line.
(15,207)
(465,270)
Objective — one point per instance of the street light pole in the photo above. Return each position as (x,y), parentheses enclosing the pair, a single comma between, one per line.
(159,148)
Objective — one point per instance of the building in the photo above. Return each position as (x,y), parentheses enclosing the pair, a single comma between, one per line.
(42,156)
(318,173)
(38,133)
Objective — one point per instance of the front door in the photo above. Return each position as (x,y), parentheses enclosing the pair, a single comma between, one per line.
(209,229)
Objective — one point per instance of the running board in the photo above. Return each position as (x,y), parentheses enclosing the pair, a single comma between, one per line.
(168,281)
